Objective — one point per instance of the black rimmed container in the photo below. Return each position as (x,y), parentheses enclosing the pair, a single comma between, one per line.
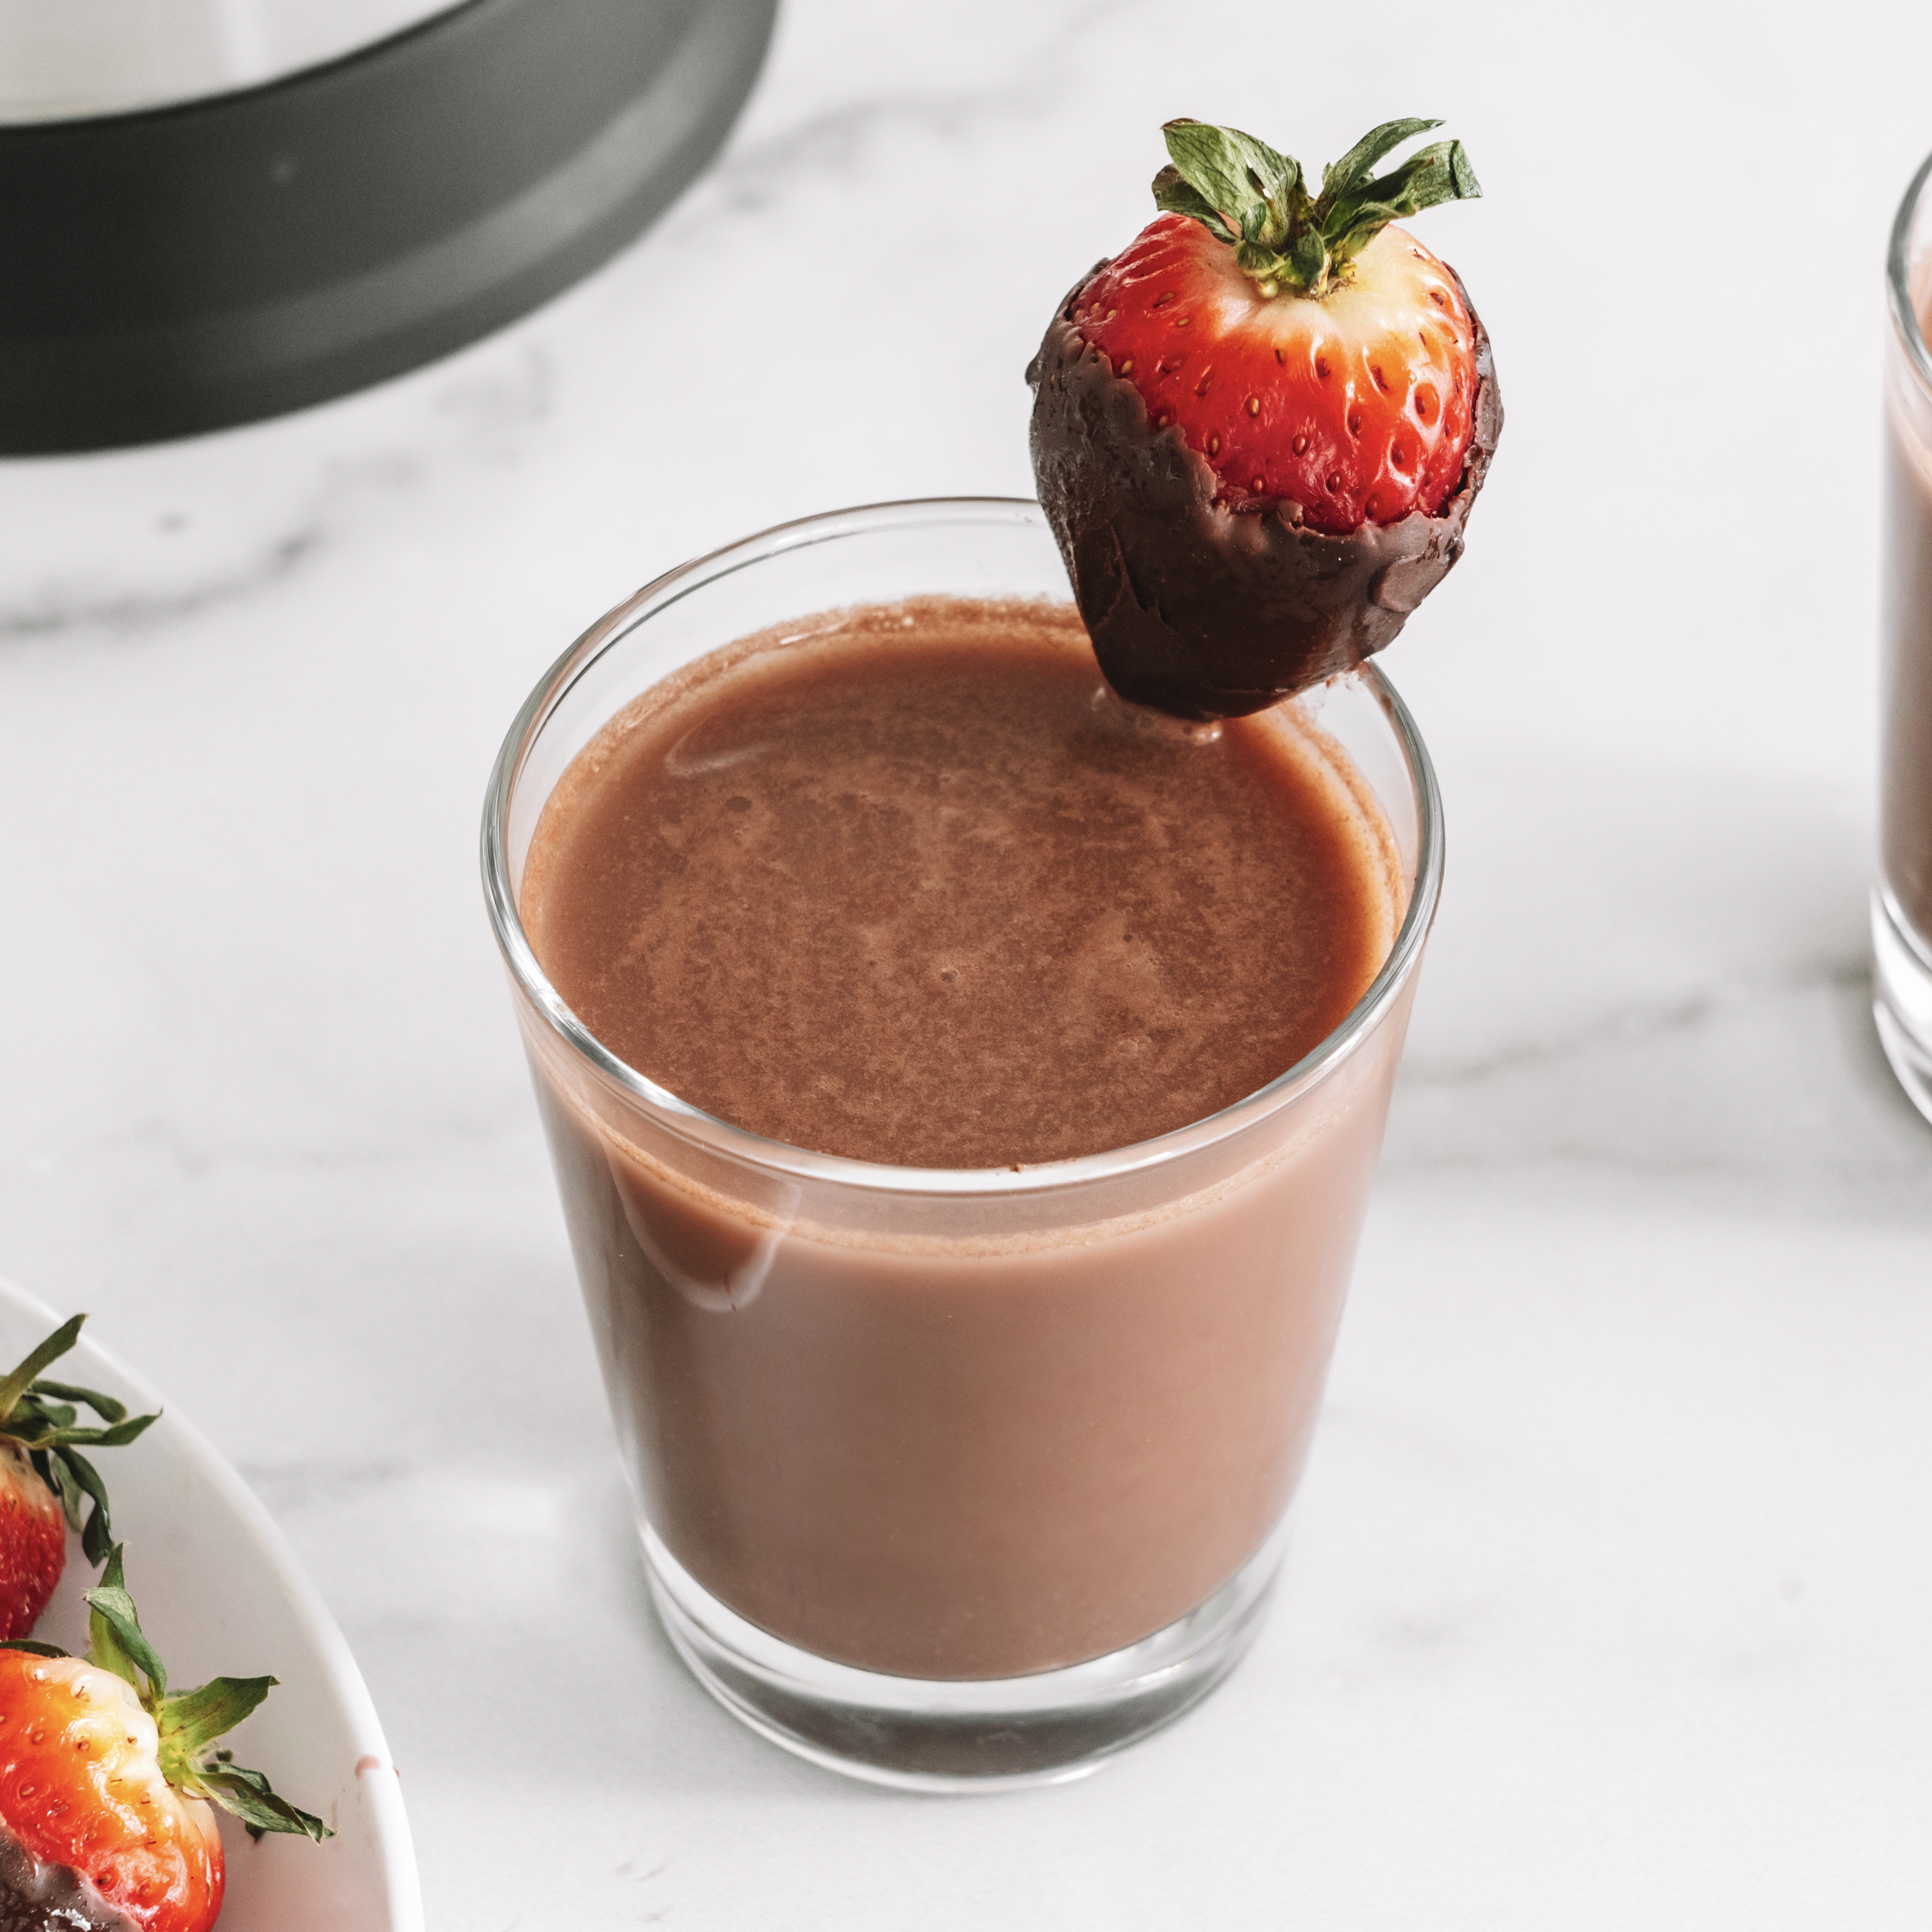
(222,259)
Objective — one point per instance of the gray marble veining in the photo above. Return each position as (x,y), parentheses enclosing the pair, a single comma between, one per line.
(1609,1599)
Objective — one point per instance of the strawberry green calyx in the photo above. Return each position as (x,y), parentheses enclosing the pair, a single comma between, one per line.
(40,1416)
(1287,242)
(189,1721)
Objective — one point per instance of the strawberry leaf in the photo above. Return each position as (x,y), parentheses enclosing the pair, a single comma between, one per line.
(1439,173)
(59,1477)
(77,1473)
(114,1636)
(1215,162)
(51,1350)
(75,1480)
(190,1723)
(1338,177)
(43,1417)
(187,1724)
(1229,181)
(1175,195)
(33,1646)
(35,1423)
(1237,178)
(252,1799)
(104,1406)
(117,1437)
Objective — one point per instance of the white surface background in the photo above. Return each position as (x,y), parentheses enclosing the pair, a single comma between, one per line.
(1611,1599)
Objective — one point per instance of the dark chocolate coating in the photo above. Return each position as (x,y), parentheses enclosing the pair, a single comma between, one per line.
(41,1897)
(1203,612)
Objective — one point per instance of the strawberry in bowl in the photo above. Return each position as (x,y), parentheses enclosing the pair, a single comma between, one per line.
(1258,431)
(45,1480)
(109,1780)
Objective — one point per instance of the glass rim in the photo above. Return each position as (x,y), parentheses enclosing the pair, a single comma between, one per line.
(1898,278)
(693,1123)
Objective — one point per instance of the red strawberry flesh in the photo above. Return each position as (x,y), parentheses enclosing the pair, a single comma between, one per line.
(33,1543)
(80,1790)
(1358,407)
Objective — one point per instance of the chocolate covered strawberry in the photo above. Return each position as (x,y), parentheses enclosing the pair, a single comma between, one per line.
(1258,431)
(108,1782)
(46,1482)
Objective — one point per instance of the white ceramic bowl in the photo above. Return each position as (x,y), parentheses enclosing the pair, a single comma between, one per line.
(220,1592)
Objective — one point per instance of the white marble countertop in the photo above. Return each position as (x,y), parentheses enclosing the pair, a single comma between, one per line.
(1611,1601)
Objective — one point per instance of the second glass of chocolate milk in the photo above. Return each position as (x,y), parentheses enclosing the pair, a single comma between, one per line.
(1902,901)
(950,1476)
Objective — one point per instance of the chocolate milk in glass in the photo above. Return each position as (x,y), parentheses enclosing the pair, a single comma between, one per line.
(1902,908)
(1907,801)
(978,1435)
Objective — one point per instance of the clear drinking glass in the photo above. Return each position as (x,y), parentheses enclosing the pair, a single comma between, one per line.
(952,1478)
(1902,900)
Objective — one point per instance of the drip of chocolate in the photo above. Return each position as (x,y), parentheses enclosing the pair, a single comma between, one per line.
(1203,612)
(38,1896)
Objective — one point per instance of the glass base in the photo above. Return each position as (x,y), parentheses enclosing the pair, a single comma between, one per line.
(1902,998)
(927,1734)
